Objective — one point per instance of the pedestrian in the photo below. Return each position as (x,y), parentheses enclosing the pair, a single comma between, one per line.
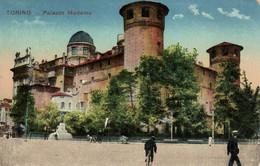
(232,147)
(210,141)
(150,145)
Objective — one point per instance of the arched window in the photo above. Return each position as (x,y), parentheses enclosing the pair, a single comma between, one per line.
(62,105)
(129,14)
(145,11)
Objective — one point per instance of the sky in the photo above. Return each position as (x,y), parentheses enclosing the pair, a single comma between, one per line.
(198,24)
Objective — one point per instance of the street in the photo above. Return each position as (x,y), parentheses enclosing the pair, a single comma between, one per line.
(36,152)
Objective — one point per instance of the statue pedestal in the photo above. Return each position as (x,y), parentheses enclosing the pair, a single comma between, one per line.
(61,133)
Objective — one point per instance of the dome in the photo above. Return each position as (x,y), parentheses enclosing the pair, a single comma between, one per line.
(81,36)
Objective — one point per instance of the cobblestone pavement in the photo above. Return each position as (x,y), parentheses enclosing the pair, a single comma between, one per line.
(35,152)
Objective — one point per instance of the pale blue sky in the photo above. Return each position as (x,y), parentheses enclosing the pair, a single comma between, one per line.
(196,24)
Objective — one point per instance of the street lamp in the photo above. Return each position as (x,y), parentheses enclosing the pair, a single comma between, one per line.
(213,125)
(26,118)
(171,125)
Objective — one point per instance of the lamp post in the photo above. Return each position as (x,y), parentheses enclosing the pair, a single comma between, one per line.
(171,125)
(213,126)
(26,119)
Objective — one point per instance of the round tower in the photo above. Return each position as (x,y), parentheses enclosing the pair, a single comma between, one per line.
(222,52)
(143,28)
(80,48)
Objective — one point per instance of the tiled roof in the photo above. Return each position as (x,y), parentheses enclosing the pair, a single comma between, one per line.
(225,44)
(6,105)
(198,65)
(105,55)
(60,94)
(8,100)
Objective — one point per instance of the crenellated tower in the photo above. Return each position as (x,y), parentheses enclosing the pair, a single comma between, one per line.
(143,27)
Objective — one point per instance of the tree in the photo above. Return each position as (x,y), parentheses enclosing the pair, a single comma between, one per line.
(149,103)
(121,120)
(112,104)
(48,117)
(246,117)
(76,122)
(127,81)
(22,100)
(179,80)
(226,88)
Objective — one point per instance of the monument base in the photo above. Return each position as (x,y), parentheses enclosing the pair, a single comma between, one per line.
(61,133)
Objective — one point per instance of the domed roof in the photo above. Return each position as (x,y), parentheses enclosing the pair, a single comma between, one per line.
(81,36)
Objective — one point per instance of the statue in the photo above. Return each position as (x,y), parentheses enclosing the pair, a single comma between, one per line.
(61,117)
(17,54)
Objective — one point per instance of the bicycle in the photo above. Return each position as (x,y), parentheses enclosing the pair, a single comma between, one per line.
(148,159)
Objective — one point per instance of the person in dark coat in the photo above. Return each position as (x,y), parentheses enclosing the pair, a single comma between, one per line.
(150,145)
(232,147)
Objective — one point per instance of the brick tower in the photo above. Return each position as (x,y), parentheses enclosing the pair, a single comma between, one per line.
(143,27)
(223,51)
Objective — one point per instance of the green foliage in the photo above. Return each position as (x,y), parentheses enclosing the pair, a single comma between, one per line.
(180,81)
(226,87)
(23,98)
(149,97)
(246,117)
(48,117)
(112,104)
(76,122)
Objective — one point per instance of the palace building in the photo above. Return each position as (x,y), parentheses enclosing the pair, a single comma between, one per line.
(68,80)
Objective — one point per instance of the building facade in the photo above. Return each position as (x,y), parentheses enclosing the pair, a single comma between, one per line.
(68,80)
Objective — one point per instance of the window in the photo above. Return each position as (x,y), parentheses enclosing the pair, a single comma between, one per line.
(235,52)
(145,12)
(159,44)
(108,62)
(213,54)
(224,51)
(74,51)
(84,50)
(92,78)
(159,14)
(62,105)
(69,105)
(109,75)
(81,104)
(130,14)
(210,85)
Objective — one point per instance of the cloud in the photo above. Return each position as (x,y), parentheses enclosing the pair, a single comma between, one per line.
(16,22)
(234,13)
(204,14)
(36,21)
(178,16)
(194,10)
(258,2)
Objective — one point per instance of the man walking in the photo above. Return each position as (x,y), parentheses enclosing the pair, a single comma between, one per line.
(150,145)
(232,148)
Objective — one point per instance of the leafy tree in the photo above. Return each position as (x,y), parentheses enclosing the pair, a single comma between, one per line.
(48,117)
(180,81)
(112,104)
(150,104)
(121,121)
(226,87)
(246,116)
(76,122)
(22,100)
(97,114)
(127,81)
